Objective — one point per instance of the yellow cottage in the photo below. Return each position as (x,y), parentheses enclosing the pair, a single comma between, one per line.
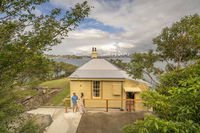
(100,80)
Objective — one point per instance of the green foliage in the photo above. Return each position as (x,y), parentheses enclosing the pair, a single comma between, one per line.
(34,83)
(24,93)
(173,78)
(57,100)
(24,37)
(177,46)
(181,104)
(62,69)
(176,101)
(30,127)
(143,63)
(151,124)
(178,111)
(180,42)
(9,109)
(21,50)
(120,64)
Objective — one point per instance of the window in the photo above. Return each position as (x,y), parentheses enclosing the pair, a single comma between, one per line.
(96,88)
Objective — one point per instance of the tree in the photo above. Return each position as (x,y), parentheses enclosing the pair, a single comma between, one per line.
(119,63)
(177,46)
(23,39)
(172,79)
(176,101)
(62,69)
(180,42)
(143,64)
(68,69)
(176,112)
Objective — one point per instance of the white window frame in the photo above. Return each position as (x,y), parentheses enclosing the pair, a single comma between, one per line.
(96,89)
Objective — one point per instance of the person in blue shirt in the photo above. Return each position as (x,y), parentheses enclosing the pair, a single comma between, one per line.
(74,102)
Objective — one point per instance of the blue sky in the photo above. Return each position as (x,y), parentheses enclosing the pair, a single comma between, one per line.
(90,23)
(120,26)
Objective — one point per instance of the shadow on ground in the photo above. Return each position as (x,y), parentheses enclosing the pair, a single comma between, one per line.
(111,122)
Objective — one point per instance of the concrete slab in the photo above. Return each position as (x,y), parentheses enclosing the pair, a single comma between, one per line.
(45,111)
(62,122)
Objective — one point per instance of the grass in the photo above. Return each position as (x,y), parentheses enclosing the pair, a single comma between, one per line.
(57,100)
(24,93)
(59,83)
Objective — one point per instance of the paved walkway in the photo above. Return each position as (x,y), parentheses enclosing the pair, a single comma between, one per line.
(107,122)
(62,122)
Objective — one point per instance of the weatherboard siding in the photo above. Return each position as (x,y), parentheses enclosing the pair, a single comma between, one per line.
(107,91)
(112,79)
(139,106)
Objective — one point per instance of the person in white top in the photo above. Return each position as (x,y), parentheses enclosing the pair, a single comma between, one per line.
(82,104)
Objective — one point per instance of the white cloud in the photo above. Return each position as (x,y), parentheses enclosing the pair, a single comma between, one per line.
(142,20)
(88,33)
(81,42)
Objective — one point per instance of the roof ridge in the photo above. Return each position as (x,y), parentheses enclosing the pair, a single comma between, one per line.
(113,64)
(79,67)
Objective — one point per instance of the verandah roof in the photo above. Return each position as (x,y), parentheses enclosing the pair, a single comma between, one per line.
(132,89)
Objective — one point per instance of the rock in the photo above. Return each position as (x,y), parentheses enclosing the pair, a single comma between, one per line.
(44,91)
(26,99)
(44,94)
(43,120)
(53,92)
(55,88)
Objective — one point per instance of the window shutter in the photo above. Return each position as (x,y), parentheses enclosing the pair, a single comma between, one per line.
(116,88)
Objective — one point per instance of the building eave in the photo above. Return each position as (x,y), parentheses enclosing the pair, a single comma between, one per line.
(100,79)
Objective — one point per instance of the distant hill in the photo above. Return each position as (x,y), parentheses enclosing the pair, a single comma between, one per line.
(81,57)
(65,56)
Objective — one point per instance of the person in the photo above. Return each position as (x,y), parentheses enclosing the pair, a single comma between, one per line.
(74,102)
(82,104)
(130,102)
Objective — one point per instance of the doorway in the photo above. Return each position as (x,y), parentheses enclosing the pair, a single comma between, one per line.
(130,102)
(130,95)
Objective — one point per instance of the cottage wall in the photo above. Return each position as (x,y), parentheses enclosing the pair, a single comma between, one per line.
(81,86)
(138,104)
(108,90)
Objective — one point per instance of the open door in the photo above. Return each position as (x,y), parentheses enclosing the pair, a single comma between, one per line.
(130,96)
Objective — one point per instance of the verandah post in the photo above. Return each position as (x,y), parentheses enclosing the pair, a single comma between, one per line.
(134,104)
(106,105)
(65,103)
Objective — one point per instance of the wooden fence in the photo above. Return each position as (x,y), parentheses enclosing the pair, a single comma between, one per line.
(130,103)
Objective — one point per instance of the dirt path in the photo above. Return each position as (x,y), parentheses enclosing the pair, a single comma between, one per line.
(62,122)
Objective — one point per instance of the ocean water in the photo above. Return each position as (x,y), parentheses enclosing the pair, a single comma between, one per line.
(76,62)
